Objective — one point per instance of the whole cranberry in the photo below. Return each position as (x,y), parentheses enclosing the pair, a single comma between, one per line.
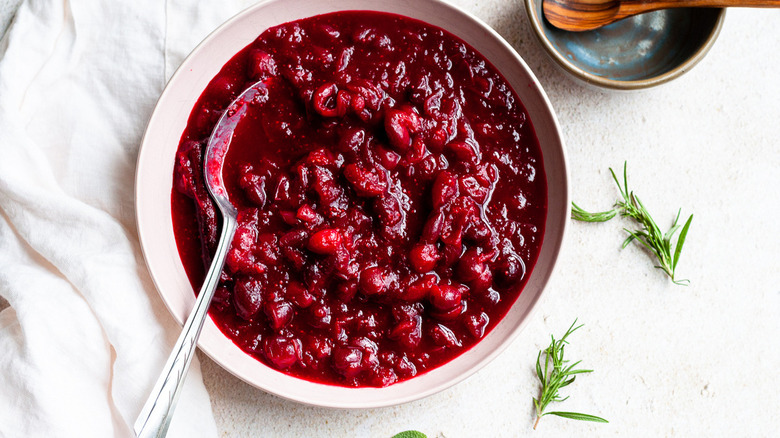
(473,265)
(319,315)
(348,361)
(510,270)
(247,297)
(223,88)
(423,257)
(451,314)
(282,352)
(279,313)
(325,241)
(445,296)
(433,227)
(373,281)
(294,238)
(465,151)
(405,368)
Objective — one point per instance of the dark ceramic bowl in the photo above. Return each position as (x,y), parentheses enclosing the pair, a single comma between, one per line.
(634,53)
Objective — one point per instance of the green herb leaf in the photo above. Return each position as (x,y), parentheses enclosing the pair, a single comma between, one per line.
(557,377)
(410,434)
(577,416)
(577,213)
(680,242)
(649,234)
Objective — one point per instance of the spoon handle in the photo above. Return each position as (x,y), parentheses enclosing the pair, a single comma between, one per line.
(155,417)
(632,7)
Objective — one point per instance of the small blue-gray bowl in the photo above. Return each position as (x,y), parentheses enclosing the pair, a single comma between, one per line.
(633,53)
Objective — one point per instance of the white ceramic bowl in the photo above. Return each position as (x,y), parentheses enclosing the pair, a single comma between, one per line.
(154,181)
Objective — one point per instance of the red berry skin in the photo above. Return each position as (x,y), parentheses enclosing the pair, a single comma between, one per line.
(420,289)
(261,64)
(325,100)
(326,241)
(366,183)
(408,332)
(424,257)
(383,377)
(299,295)
(476,324)
(373,281)
(282,352)
(279,314)
(247,298)
(444,337)
(449,315)
(347,361)
(471,265)
(445,189)
(446,297)
(400,125)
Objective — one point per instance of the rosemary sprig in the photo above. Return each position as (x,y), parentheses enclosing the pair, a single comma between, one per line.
(555,375)
(649,235)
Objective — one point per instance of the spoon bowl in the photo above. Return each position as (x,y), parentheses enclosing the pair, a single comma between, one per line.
(155,417)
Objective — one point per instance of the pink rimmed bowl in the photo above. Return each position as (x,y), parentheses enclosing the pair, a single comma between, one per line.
(154,178)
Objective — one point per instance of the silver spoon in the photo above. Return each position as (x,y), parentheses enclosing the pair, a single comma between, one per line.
(155,417)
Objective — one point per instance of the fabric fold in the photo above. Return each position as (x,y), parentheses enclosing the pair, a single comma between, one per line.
(86,334)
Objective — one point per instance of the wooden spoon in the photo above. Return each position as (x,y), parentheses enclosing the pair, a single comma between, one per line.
(582,15)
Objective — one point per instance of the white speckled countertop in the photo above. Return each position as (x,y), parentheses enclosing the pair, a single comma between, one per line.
(668,360)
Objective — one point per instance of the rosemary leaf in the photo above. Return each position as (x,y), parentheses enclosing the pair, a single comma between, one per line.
(578,416)
(577,213)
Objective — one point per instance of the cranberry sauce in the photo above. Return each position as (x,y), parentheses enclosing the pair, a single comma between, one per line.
(391,198)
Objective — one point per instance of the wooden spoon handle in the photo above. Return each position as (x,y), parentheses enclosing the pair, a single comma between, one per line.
(633,7)
(582,15)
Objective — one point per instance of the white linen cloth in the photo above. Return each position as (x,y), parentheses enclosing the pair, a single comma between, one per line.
(86,334)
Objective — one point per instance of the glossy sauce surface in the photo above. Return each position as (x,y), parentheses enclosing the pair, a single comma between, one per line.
(391,193)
